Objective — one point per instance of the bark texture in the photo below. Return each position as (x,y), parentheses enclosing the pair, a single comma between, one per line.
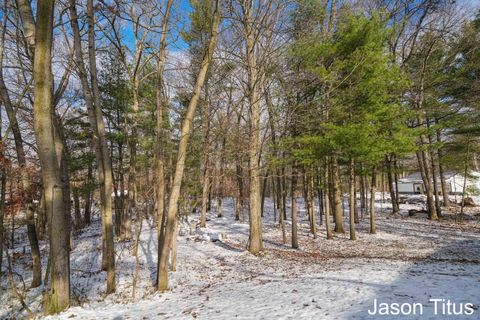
(165,246)
(59,294)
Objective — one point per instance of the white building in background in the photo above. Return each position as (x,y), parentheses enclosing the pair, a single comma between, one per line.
(413,183)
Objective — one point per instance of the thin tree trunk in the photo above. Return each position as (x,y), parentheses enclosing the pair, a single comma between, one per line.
(446,201)
(255,239)
(320,195)
(206,187)
(173,260)
(222,180)
(3,191)
(362,193)
(239,202)
(164,247)
(436,195)
(373,227)
(425,170)
(76,209)
(326,187)
(264,193)
(107,165)
(294,209)
(161,108)
(206,180)
(310,203)
(395,181)
(337,197)
(352,200)
(465,172)
(391,188)
(32,237)
(355,206)
(88,198)
(135,252)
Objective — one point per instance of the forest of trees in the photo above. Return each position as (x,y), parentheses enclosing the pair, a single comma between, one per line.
(134,110)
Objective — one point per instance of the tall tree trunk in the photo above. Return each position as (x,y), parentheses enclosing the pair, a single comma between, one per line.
(395,181)
(239,201)
(205,160)
(373,227)
(3,191)
(264,184)
(435,186)
(59,296)
(355,206)
(108,256)
(326,187)
(161,109)
(93,102)
(280,197)
(464,187)
(310,203)
(88,198)
(436,193)
(362,193)
(164,247)
(255,239)
(294,209)
(352,200)
(337,197)
(132,144)
(76,208)
(426,173)
(320,195)
(221,193)
(391,187)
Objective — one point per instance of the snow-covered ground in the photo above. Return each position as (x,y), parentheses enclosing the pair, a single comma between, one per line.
(409,260)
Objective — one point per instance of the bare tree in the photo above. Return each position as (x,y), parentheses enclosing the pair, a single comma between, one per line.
(59,297)
(165,245)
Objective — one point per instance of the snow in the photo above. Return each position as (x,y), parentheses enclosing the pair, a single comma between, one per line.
(410,259)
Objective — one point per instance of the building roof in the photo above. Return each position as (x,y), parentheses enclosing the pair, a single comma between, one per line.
(417,177)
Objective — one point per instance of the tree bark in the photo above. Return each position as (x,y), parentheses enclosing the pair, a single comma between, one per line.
(161,108)
(59,296)
(109,253)
(362,194)
(337,197)
(255,240)
(164,247)
(352,200)
(205,163)
(373,227)
(239,202)
(3,191)
(310,203)
(326,187)
(294,209)
(426,173)
(88,198)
